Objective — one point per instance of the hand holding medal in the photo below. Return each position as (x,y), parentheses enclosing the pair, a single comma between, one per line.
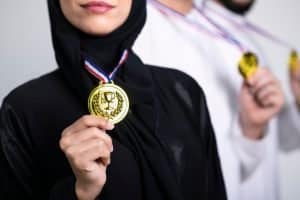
(251,103)
(108,100)
(260,99)
(260,96)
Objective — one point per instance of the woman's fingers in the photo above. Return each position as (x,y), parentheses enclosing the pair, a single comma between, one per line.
(85,155)
(88,121)
(81,136)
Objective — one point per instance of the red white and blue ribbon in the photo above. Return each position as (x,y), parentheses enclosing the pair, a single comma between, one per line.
(171,13)
(99,73)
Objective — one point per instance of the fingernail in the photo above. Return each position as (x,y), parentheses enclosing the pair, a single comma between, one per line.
(110,125)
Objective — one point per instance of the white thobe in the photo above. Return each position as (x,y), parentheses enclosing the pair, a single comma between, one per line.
(249,167)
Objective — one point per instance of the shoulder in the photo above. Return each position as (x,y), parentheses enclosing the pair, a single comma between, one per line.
(172,76)
(179,83)
(35,91)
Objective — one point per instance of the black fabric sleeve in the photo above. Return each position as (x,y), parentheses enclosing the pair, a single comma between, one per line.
(215,181)
(19,176)
(64,190)
(16,161)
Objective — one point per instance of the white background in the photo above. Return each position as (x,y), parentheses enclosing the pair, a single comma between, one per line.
(26,52)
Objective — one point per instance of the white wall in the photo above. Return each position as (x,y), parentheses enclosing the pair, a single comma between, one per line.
(25,44)
(26,52)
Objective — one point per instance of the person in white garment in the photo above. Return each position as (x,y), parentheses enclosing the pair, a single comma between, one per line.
(243,112)
(231,15)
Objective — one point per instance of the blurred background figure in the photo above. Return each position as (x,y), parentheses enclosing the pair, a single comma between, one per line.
(25,37)
(275,52)
(243,112)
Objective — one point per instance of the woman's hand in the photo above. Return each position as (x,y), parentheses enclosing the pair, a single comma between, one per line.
(88,149)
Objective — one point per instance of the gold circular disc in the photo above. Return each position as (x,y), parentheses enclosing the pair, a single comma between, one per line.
(109,101)
(294,60)
(248,64)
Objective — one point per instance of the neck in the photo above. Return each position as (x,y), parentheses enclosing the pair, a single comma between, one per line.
(181,6)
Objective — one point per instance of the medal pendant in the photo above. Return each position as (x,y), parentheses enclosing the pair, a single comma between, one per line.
(293,61)
(248,64)
(109,101)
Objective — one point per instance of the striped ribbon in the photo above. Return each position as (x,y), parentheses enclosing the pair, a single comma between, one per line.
(171,13)
(226,35)
(99,73)
(247,25)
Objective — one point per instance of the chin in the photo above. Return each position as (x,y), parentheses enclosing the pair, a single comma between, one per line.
(98,27)
(97,31)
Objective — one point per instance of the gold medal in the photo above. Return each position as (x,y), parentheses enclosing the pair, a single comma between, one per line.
(294,61)
(109,101)
(248,64)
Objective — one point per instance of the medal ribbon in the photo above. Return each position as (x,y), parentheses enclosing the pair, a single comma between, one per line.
(265,34)
(248,62)
(99,73)
(171,13)
(254,28)
(247,25)
(223,31)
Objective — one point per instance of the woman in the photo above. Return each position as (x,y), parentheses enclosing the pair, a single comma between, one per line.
(51,149)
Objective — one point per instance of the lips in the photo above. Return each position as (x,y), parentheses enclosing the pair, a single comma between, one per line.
(97,7)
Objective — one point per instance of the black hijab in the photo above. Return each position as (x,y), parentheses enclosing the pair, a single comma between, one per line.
(70,43)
